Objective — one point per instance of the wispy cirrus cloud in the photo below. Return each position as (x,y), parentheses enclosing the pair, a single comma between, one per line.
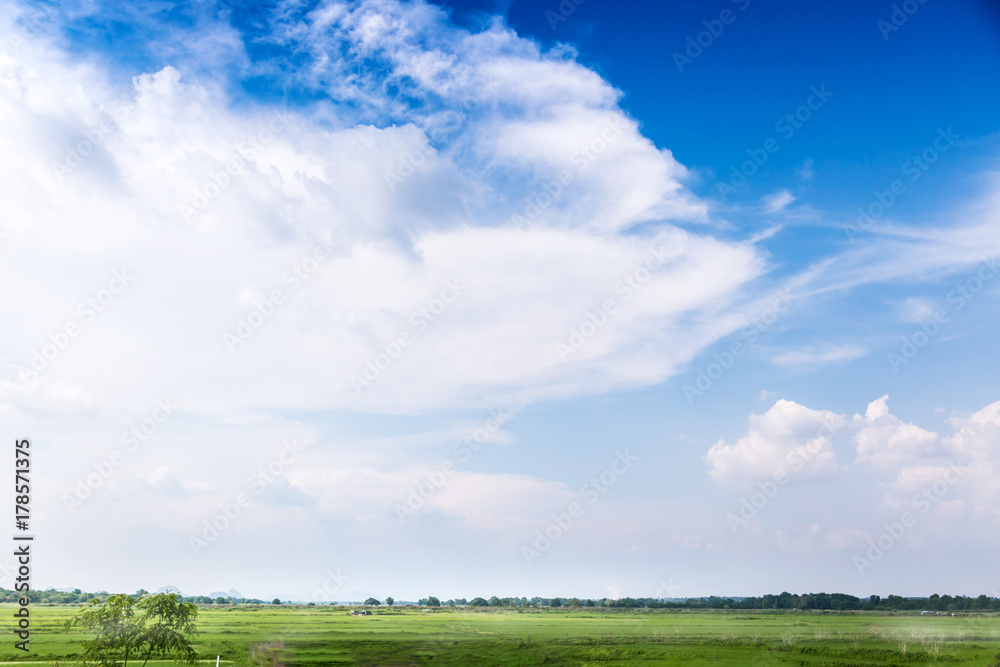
(779,201)
(830,354)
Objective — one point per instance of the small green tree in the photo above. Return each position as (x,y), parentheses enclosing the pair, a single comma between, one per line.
(433,602)
(276,601)
(389,601)
(116,627)
(372,602)
(168,620)
(129,629)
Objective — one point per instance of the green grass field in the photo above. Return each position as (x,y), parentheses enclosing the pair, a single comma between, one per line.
(331,636)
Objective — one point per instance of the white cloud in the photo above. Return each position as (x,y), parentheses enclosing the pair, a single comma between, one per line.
(907,456)
(779,201)
(975,444)
(818,356)
(765,234)
(789,438)
(884,440)
(917,254)
(881,440)
(958,466)
(978,435)
(153,196)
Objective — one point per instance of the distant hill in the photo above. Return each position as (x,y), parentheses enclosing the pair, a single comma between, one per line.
(231,593)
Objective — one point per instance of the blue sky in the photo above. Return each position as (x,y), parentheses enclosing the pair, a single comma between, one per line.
(382,230)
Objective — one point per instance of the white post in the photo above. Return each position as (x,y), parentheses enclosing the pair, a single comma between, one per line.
(216,661)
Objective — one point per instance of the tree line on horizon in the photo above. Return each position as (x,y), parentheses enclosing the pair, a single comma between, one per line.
(788,601)
(77,596)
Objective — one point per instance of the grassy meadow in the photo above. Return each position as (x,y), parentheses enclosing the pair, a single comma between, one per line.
(272,635)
